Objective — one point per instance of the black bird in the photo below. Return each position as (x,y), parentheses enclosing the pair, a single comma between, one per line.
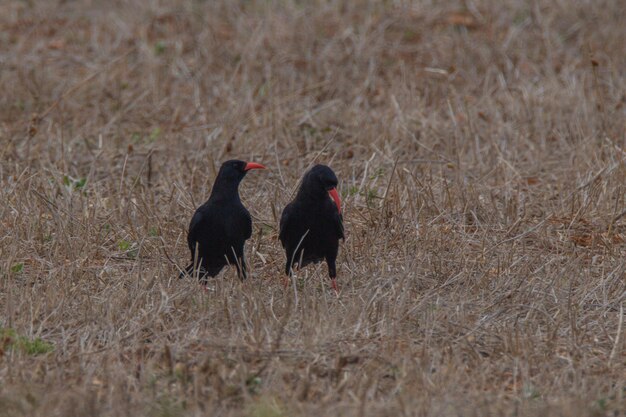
(219,227)
(311,225)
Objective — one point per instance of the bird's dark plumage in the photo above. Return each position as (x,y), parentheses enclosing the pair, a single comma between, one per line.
(311,225)
(220,227)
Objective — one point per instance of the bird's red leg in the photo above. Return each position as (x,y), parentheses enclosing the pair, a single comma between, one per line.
(333,284)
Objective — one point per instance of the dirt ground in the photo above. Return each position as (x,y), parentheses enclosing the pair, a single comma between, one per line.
(480,147)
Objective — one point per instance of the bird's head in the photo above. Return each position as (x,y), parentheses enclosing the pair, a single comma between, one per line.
(230,175)
(235,170)
(321,178)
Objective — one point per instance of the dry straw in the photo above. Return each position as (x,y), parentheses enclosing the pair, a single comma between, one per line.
(480,150)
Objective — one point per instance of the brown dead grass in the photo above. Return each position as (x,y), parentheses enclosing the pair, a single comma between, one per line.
(480,151)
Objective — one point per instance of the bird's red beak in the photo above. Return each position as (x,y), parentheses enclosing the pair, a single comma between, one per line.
(253,165)
(335,196)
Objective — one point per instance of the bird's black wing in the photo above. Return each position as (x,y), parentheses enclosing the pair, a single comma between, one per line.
(194,229)
(338,223)
(236,226)
(244,223)
(284,223)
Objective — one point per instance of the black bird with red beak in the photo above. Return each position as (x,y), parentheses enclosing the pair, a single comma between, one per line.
(220,227)
(311,225)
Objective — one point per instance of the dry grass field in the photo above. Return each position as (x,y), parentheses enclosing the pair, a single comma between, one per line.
(481,152)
